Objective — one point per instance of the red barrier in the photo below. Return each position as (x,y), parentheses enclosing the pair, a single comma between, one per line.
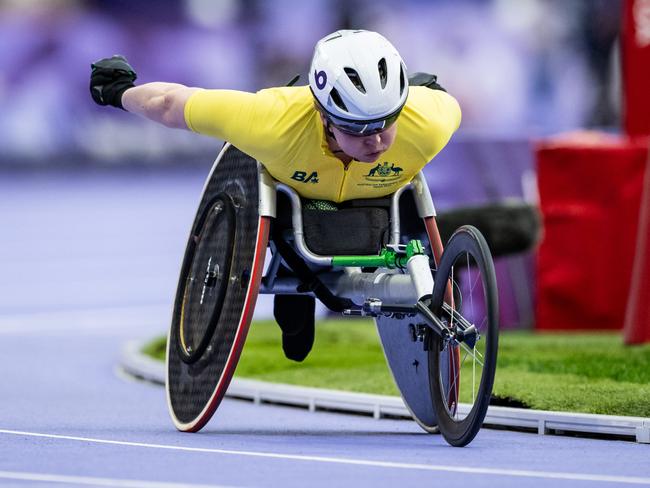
(593,268)
(590,189)
(635,64)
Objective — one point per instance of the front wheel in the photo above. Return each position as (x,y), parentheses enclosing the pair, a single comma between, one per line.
(472,316)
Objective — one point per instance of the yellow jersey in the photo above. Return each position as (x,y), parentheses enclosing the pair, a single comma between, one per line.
(281,128)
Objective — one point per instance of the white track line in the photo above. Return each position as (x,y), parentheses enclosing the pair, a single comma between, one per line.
(84,311)
(86,480)
(100,319)
(358,462)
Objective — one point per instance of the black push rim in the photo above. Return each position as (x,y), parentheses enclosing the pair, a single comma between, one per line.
(224,207)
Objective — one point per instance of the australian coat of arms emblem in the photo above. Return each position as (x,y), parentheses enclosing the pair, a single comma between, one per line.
(384,171)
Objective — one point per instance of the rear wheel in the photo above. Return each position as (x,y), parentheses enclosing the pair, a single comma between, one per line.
(462,367)
(217,290)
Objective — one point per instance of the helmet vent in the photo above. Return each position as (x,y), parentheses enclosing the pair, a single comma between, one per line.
(355,79)
(336,98)
(383,72)
(402,79)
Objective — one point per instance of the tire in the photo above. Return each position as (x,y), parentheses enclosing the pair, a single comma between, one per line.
(217,290)
(462,376)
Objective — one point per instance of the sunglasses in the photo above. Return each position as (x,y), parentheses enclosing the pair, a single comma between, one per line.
(359,128)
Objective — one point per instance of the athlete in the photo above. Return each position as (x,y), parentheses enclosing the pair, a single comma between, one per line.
(358,130)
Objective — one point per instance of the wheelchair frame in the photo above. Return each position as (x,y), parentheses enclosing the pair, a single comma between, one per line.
(381,286)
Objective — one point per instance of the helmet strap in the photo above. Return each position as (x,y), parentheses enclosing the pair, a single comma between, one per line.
(328,129)
(330,133)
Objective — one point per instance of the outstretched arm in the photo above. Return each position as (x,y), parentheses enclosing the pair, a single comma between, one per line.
(161,102)
(111,83)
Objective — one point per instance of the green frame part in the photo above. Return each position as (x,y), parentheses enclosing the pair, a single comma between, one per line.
(387,258)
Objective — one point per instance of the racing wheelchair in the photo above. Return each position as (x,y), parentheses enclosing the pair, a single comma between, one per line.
(436,312)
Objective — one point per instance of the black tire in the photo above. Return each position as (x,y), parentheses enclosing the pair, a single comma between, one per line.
(461,404)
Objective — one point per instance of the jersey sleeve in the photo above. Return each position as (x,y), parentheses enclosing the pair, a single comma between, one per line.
(239,117)
(444,111)
(437,115)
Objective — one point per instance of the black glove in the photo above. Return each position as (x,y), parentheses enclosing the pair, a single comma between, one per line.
(109,79)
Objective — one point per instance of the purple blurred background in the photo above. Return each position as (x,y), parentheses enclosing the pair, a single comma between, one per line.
(521,70)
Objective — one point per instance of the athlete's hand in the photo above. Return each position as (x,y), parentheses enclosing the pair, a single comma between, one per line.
(109,79)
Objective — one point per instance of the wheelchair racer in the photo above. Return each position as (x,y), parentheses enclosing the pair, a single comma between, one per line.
(358,130)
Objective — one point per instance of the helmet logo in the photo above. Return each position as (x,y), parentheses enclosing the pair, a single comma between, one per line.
(321,79)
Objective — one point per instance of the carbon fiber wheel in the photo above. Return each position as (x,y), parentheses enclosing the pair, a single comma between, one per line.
(217,290)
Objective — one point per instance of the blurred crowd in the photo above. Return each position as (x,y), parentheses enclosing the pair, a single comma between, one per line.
(519,68)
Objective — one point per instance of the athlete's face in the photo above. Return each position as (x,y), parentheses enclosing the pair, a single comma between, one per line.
(366,148)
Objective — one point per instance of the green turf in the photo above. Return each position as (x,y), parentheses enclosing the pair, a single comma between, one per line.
(591,372)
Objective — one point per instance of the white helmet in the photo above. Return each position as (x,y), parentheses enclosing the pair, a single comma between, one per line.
(359,81)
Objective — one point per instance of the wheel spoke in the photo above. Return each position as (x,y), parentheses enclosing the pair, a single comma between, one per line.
(471,288)
(474,353)
(452,296)
(451,394)
(474,377)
